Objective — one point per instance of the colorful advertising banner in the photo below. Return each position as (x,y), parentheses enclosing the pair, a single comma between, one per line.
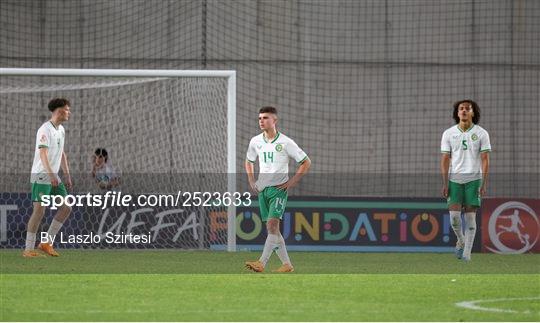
(511,226)
(309,223)
(350,224)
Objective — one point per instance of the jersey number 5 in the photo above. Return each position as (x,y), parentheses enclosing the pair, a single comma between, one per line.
(464,144)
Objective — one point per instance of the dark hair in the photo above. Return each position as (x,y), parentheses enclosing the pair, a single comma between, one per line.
(268,110)
(102,152)
(58,103)
(475,107)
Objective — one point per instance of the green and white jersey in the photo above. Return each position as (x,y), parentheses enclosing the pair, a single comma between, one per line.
(465,148)
(273,158)
(53,138)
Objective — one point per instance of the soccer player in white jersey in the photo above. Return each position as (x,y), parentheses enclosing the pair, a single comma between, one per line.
(273,149)
(465,151)
(49,156)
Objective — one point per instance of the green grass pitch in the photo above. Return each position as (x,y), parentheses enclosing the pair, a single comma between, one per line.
(121,285)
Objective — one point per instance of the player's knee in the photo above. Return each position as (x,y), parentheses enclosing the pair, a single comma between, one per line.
(273,226)
(454,207)
(272,229)
(38,210)
(67,209)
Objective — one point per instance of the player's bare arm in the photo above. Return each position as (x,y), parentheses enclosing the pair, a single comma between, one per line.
(485,170)
(300,172)
(445,165)
(44,156)
(65,168)
(250,171)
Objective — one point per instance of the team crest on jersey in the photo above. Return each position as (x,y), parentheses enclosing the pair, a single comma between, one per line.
(279,147)
(474,137)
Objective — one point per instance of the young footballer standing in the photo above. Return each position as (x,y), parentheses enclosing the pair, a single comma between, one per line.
(49,156)
(273,149)
(465,151)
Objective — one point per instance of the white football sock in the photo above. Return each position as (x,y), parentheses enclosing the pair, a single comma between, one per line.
(470,232)
(272,241)
(30,241)
(455,222)
(282,251)
(53,230)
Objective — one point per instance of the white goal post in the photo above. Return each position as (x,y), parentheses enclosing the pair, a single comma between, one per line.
(230,75)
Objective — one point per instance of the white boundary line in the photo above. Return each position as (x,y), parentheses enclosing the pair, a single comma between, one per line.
(472,305)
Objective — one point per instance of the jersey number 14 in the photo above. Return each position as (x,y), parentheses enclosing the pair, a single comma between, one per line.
(268,156)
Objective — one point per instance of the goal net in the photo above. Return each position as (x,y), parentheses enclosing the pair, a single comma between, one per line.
(165,132)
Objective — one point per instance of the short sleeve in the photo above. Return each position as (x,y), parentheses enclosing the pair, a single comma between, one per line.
(446,147)
(43,138)
(295,152)
(485,145)
(251,154)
